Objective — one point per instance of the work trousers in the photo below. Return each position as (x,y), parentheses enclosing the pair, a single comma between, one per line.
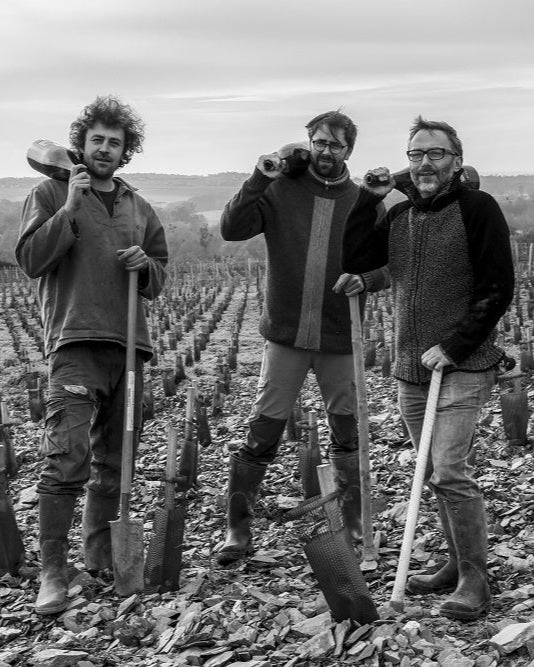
(283,371)
(82,441)
(449,471)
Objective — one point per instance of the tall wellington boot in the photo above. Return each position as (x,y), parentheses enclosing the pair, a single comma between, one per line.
(446,578)
(243,483)
(472,597)
(347,478)
(55,518)
(98,511)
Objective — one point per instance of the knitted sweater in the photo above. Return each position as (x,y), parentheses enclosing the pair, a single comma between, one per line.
(451,272)
(83,288)
(302,220)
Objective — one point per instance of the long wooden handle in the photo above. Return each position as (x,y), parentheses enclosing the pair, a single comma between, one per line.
(129,397)
(397,596)
(362,413)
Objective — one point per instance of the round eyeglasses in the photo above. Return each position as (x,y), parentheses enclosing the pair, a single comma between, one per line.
(335,147)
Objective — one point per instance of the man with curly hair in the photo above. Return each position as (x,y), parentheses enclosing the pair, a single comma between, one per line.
(80,239)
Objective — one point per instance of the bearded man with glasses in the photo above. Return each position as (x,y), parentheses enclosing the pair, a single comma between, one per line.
(306,325)
(452,278)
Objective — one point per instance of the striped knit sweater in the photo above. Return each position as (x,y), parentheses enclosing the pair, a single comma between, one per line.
(303,220)
(451,274)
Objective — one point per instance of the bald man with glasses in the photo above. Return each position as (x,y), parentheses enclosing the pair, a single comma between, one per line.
(452,278)
(306,325)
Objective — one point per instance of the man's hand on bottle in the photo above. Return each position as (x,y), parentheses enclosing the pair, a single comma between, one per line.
(379,181)
(79,184)
(270,165)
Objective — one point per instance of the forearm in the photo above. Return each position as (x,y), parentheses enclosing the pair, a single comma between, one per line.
(377,279)
(243,216)
(493,283)
(485,310)
(365,244)
(44,238)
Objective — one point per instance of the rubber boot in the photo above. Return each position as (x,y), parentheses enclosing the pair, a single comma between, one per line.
(55,518)
(243,483)
(96,534)
(347,478)
(471,598)
(446,578)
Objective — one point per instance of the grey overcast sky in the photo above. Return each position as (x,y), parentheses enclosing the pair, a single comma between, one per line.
(219,82)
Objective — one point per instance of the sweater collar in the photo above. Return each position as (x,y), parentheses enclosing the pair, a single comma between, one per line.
(330,182)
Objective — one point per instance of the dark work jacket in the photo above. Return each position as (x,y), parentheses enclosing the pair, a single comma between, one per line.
(303,220)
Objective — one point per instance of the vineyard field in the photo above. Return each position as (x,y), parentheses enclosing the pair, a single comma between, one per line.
(267,611)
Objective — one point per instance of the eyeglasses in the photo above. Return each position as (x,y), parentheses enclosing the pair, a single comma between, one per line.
(433,154)
(335,148)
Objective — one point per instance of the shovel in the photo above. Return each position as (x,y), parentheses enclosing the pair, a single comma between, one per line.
(397,596)
(369,552)
(11,547)
(332,557)
(126,533)
(164,557)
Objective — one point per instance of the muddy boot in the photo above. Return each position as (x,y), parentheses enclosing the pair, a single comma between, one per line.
(55,518)
(347,477)
(446,578)
(467,520)
(96,534)
(243,483)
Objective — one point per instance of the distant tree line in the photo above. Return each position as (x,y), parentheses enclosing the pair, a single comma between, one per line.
(188,234)
(191,237)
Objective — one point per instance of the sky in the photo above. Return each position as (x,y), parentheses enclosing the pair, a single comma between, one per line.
(221,82)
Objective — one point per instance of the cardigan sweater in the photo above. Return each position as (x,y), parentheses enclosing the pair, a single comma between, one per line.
(302,220)
(83,287)
(451,272)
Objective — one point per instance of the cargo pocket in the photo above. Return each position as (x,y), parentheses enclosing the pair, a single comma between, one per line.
(67,421)
(55,438)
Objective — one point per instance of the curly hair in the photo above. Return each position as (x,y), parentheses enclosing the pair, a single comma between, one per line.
(111,112)
(334,120)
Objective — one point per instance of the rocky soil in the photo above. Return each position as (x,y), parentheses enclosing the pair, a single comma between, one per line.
(268,611)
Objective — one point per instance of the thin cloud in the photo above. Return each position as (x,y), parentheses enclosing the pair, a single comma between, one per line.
(237,81)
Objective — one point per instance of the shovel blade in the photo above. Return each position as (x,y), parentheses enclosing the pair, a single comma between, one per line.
(127,555)
(164,557)
(11,547)
(335,565)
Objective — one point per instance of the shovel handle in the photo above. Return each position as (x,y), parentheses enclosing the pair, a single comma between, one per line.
(397,596)
(362,413)
(129,397)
